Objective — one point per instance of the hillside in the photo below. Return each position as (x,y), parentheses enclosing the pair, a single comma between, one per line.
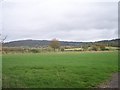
(44,43)
(37,43)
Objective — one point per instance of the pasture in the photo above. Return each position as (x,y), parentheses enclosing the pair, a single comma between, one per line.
(58,70)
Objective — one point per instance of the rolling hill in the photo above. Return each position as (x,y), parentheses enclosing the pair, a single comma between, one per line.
(44,43)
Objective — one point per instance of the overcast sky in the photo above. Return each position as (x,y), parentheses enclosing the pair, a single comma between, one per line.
(67,20)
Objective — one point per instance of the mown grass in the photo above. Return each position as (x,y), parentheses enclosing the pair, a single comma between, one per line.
(58,70)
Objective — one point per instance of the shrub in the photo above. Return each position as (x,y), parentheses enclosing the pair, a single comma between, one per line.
(34,50)
(94,48)
(102,47)
(62,49)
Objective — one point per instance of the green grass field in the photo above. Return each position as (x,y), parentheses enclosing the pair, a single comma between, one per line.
(58,70)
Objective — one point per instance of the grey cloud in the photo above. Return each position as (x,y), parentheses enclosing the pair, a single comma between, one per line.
(64,20)
(96,18)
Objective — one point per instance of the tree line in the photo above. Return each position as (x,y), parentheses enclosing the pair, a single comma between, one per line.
(55,45)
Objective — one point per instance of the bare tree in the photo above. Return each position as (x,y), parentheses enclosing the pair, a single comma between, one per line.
(2,39)
(55,44)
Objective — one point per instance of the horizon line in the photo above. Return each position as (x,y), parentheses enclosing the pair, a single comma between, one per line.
(59,40)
